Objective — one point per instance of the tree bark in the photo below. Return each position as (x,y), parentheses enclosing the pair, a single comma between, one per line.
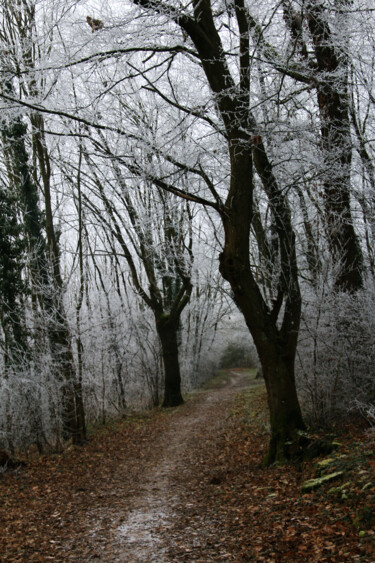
(287,426)
(333,101)
(167,329)
(276,349)
(276,345)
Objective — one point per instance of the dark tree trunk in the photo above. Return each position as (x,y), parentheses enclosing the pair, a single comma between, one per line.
(287,426)
(276,349)
(274,327)
(275,345)
(63,355)
(336,145)
(74,416)
(79,436)
(333,101)
(167,331)
(329,75)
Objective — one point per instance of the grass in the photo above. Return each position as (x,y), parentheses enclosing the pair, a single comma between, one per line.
(221,379)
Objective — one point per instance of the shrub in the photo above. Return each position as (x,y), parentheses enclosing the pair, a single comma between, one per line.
(237,355)
(336,355)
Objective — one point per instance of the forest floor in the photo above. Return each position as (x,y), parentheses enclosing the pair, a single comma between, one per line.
(186,485)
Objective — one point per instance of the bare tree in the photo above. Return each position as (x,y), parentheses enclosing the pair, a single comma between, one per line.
(17,32)
(273,325)
(318,56)
(152,230)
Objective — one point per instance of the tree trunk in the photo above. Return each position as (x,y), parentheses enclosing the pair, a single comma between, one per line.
(287,426)
(333,100)
(330,77)
(275,339)
(49,293)
(336,144)
(274,326)
(276,349)
(79,437)
(74,419)
(167,331)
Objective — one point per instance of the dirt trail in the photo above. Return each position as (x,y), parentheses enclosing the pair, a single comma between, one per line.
(186,485)
(144,535)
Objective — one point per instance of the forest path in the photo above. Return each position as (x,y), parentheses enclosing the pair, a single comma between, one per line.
(186,485)
(127,496)
(149,528)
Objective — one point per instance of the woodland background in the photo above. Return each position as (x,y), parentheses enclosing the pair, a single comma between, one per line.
(114,173)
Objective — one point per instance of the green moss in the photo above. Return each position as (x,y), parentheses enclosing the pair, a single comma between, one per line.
(324,463)
(313,484)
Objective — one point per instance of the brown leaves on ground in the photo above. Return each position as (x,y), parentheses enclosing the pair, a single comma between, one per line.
(261,515)
(229,509)
(49,508)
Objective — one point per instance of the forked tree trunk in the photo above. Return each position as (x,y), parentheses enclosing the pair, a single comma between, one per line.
(167,331)
(275,339)
(275,344)
(276,349)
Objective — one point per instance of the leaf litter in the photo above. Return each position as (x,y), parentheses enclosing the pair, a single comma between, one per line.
(186,485)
